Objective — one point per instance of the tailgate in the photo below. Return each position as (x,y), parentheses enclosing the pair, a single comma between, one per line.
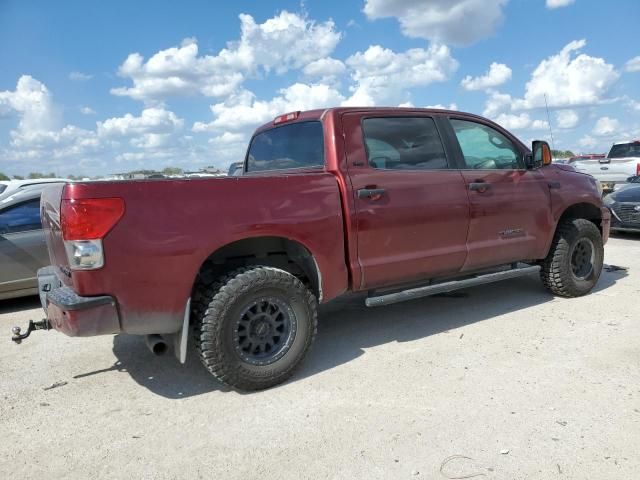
(615,171)
(50,215)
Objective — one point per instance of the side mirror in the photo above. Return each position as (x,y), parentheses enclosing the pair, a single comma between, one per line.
(541,153)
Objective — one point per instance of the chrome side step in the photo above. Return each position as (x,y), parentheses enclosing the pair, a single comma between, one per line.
(450,286)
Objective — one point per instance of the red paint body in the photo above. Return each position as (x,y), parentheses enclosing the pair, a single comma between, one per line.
(428,224)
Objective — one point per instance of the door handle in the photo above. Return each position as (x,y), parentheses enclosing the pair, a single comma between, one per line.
(371,193)
(479,187)
(554,185)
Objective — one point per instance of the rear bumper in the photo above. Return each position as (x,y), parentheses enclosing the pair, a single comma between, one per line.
(73,314)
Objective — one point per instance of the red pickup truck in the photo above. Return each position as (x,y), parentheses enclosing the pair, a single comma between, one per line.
(399,203)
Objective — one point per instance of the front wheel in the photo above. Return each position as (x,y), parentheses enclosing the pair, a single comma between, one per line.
(574,263)
(257,327)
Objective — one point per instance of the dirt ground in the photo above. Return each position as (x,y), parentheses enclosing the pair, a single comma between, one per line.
(501,380)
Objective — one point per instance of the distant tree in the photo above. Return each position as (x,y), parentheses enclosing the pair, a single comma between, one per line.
(34,175)
(18,177)
(3,176)
(562,153)
(172,171)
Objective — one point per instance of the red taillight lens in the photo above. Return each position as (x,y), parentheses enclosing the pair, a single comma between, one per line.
(638,169)
(89,218)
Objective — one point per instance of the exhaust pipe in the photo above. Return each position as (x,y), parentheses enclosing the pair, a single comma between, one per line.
(156,344)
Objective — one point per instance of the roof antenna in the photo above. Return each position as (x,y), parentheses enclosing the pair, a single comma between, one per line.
(549,121)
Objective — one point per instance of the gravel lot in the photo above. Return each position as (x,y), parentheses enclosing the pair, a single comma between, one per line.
(502,380)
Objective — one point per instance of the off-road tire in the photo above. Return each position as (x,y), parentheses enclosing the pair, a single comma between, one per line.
(557,273)
(218,304)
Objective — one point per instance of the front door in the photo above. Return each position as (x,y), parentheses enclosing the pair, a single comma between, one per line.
(22,247)
(510,214)
(412,210)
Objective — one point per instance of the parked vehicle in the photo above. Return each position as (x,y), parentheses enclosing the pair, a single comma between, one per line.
(11,186)
(624,205)
(399,203)
(586,156)
(622,162)
(23,249)
(235,169)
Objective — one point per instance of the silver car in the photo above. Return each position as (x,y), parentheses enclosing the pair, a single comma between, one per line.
(22,243)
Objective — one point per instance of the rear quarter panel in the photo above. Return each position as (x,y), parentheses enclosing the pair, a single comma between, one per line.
(170,228)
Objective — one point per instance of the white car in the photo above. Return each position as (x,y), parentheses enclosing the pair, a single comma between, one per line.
(10,187)
(622,162)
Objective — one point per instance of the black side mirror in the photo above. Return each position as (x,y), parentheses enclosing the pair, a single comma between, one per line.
(541,153)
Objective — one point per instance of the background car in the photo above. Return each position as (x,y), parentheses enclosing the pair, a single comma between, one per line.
(11,186)
(586,156)
(23,249)
(624,205)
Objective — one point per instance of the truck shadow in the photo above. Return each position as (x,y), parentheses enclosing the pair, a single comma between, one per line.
(346,328)
(15,305)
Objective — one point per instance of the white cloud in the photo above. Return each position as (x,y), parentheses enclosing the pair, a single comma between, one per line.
(566,118)
(325,68)
(381,75)
(451,106)
(32,102)
(497,103)
(79,76)
(552,4)
(244,110)
(286,41)
(520,122)
(155,128)
(568,79)
(633,65)
(498,74)
(87,110)
(606,127)
(587,141)
(454,22)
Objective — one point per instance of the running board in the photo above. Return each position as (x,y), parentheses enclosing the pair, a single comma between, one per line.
(444,287)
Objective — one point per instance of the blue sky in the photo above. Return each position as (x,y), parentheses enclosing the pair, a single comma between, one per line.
(90,87)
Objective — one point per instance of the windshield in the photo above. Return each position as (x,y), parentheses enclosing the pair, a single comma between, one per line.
(631,149)
(2,187)
(296,145)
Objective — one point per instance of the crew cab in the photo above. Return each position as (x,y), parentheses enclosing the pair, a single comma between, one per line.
(399,203)
(622,162)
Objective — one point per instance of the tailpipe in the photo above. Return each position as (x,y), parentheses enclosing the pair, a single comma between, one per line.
(156,344)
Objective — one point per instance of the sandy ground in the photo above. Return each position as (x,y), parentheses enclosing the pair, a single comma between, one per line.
(503,380)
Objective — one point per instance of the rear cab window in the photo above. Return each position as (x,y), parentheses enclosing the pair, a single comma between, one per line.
(622,150)
(293,146)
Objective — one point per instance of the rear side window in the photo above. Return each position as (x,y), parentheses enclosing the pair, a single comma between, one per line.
(403,143)
(21,218)
(297,145)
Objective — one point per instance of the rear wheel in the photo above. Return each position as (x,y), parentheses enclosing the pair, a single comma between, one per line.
(574,263)
(257,327)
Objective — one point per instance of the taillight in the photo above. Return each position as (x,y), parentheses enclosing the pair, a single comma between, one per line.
(84,223)
(89,218)
(638,169)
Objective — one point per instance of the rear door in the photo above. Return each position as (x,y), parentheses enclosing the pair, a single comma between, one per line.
(22,246)
(411,208)
(510,211)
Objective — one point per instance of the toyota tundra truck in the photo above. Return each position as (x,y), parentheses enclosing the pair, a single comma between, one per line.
(396,203)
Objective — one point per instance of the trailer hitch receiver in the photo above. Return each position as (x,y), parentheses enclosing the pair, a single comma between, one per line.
(17,336)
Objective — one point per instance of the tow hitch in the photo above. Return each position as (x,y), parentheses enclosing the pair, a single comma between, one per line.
(40,325)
